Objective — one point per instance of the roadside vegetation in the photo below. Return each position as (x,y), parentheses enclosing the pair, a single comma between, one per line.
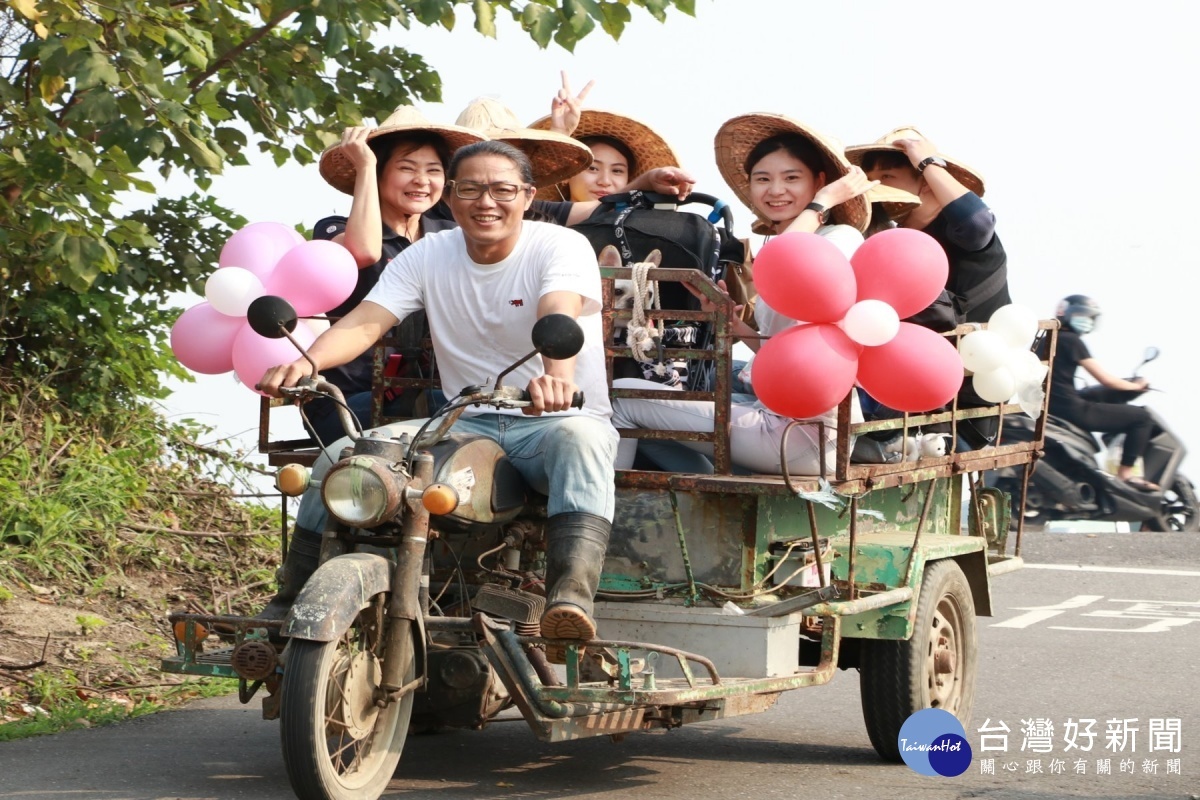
(107,524)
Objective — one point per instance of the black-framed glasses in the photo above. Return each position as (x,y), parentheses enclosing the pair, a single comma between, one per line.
(501,191)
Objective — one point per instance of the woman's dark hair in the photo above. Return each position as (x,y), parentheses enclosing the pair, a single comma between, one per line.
(885,159)
(408,142)
(492,147)
(615,144)
(793,144)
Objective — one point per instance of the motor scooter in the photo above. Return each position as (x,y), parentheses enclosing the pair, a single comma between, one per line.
(1072,480)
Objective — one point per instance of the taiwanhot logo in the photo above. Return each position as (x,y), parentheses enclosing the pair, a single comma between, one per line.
(933,742)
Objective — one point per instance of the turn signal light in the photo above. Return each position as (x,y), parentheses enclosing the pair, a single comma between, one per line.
(180,631)
(292,480)
(439,499)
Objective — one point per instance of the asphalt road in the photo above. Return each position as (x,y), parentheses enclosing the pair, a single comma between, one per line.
(1103,627)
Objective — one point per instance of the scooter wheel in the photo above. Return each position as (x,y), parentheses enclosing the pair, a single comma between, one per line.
(1180,509)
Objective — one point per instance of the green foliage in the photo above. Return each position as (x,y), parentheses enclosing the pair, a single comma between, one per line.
(69,487)
(60,706)
(96,97)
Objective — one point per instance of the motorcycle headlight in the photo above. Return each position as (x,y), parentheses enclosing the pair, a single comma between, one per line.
(362,492)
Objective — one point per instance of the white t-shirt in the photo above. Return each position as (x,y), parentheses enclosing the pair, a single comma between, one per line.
(481,315)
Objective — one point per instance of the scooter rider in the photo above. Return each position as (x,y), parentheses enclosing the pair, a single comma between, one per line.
(1078,314)
(483,286)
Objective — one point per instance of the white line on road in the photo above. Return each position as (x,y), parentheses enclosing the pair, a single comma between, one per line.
(1124,570)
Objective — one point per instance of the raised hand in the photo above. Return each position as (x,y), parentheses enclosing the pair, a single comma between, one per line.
(566,108)
(847,187)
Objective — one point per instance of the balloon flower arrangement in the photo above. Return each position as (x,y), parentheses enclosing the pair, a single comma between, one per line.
(852,330)
(262,258)
(1001,359)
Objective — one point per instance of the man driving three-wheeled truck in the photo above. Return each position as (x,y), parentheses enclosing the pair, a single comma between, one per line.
(445,597)
(426,614)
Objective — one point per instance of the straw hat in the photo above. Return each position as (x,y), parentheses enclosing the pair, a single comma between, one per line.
(740,135)
(896,202)
(968,177)
(650,151)
(337,170)
(555,157)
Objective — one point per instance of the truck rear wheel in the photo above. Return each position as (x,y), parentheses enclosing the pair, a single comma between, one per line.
(933,669)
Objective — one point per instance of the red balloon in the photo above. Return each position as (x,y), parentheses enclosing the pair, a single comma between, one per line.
(918,370)
(904,268)
(805,371)
(805,277)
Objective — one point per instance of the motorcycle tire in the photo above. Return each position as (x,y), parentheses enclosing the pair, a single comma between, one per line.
(1180,509)
(935,668)
(337,744)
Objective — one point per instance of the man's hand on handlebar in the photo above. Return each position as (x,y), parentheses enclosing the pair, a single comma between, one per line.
(548,393)
(284,375)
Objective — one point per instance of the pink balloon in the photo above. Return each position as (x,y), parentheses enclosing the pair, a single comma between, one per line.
(806,370)
(314,276)
(904,268)
(253,355)
(918,370)
(202,339)
(805,277)
(258,247)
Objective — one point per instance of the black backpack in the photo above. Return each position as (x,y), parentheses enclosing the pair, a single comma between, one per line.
(638,222)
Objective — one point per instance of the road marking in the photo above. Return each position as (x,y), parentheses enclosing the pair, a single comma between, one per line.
(1120,570)
(1042,613)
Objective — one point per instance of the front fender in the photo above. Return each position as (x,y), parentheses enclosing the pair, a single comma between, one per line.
(333,596)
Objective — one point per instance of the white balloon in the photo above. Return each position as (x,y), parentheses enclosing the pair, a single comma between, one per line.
(231,290)
(1027,368)
(871,323)
(983,350)
(1016,324)
(995,385)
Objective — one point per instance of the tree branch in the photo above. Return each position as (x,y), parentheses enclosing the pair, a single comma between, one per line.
(241,47)
(40,662)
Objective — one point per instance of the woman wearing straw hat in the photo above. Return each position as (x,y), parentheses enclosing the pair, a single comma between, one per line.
(395,173)
(623,149)
(952,211)
(794,179)
(496,121)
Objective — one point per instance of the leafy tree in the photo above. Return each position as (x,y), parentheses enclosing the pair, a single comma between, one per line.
(94,95)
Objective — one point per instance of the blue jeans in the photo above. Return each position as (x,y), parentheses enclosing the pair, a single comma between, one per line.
(567,458)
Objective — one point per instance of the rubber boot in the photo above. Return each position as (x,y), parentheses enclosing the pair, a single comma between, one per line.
(303,553)
(575,546)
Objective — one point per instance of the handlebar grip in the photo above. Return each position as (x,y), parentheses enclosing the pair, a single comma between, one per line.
(576,399)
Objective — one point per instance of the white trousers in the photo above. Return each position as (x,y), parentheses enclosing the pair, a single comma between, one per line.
(754,438)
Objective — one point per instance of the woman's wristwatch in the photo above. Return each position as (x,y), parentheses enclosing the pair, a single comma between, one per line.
(822,211)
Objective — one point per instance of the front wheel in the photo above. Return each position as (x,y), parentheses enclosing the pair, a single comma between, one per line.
(933,669)
(1179,509)
(337,743)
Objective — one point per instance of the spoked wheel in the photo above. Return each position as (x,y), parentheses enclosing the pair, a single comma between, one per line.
(1179,509)
(933,669)
(337,743)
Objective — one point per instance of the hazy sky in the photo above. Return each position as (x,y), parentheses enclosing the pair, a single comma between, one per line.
(1081,116)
